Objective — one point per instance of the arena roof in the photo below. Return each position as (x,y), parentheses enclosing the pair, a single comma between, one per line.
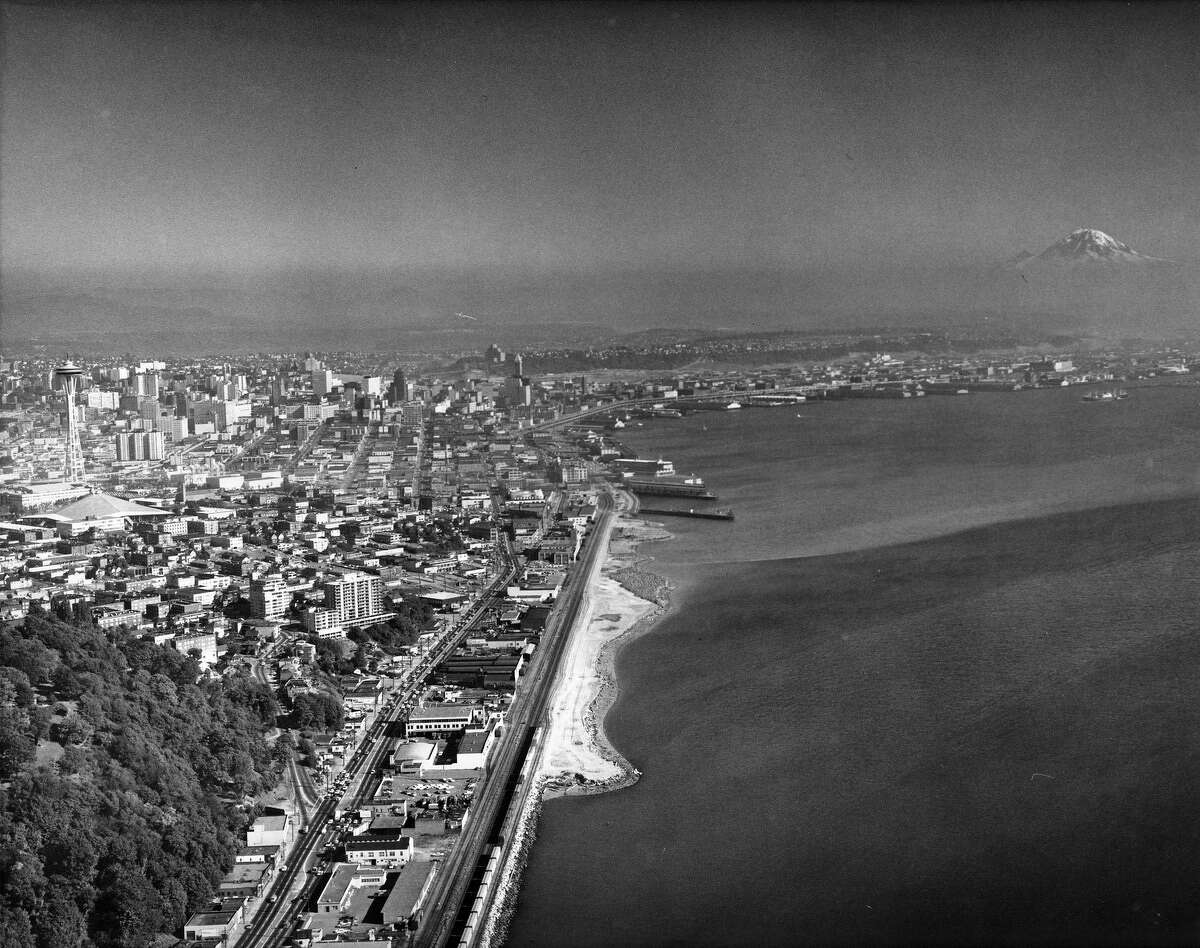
(103,507)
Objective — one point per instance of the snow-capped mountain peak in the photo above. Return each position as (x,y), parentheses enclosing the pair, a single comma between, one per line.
(1087,245)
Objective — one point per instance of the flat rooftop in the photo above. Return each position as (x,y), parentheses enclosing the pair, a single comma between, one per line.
(473,742)
(378,840)
(252,853)
(442,712)
(245,872)
(339,881)
(406,891)
(211,918)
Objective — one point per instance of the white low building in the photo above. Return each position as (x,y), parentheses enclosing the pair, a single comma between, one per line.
(270,829)
(413,757)
(389,850)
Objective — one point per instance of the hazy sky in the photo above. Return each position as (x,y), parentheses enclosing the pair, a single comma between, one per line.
(589,136)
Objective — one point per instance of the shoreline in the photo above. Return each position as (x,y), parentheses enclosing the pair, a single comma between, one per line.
(624,604)
(577,758)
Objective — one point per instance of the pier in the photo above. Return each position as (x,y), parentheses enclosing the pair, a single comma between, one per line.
(724,513)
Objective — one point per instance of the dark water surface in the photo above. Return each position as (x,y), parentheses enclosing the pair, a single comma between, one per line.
(974,719)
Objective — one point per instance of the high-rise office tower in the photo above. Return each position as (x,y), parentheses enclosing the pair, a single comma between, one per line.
(146,384)
(153,444)
(323,382)
(140,446)
(396,393)
(126,446)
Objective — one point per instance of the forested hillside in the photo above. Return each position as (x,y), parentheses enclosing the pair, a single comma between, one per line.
(120,779)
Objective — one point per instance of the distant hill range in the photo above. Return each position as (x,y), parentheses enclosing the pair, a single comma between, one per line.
(1086,281)
(313,310)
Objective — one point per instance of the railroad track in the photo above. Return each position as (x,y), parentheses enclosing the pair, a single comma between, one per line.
(275,921)
(450,904)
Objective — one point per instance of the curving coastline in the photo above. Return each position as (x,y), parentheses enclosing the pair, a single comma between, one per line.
(624,604)
(577,756)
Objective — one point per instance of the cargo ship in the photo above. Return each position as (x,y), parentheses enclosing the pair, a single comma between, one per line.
(692,487)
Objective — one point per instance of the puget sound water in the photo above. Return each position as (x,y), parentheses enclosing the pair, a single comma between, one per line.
(938,683)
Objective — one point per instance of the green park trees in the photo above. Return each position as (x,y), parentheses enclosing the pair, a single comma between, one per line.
(126,826)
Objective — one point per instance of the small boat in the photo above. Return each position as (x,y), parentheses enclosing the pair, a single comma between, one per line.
(1104,396)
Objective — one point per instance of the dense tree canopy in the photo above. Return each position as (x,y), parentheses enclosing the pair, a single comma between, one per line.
(317,712)
(335,657)
(123,822)
(410,619)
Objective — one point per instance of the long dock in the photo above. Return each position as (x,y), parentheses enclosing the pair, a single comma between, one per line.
(719,514)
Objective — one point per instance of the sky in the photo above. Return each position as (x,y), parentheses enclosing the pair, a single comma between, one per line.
(592,136)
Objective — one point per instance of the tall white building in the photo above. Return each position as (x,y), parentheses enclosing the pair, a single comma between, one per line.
(354,595)
(177,428)
(269,598)
(140,446)
(146,384)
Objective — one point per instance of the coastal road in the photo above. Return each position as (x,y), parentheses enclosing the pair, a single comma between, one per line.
(293,887)
(570,627)
(448,899)
(287,893)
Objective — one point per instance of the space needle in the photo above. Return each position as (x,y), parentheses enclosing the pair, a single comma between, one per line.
(67,377)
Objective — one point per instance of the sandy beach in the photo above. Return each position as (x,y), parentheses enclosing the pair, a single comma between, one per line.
(576,757)
(623,603)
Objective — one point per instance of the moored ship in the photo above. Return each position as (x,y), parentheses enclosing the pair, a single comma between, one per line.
(692,487)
